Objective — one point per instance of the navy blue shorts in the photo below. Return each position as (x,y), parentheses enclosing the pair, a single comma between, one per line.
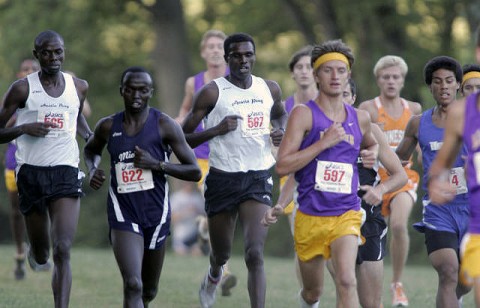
(225,191)
(153,237)
(39,186)
(374,230)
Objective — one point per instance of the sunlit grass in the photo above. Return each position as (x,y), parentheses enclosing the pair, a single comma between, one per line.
(97,283)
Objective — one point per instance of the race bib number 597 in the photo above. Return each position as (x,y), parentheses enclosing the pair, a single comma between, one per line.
(334,177)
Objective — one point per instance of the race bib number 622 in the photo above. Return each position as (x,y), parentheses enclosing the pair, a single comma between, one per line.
(132,179)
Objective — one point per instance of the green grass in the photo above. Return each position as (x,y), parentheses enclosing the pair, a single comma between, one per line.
(97,283)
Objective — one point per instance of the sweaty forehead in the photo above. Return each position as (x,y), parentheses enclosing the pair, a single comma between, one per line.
(50,42)
(137,78)
(241,47)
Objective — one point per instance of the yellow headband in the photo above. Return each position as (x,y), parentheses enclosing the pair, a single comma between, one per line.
(470,75)
(329,57)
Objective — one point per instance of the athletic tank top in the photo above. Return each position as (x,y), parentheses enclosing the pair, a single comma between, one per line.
(327,186)
(139,192)
(471,138)
(430,139)
(202,150)
(289,103)
(248,147)
(59,147)
(394,130)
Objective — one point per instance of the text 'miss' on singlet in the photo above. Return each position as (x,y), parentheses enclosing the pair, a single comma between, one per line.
(327,186)
(139,195)
(471,138)
(248,147)
(394,130)
(59,147)
(430,139)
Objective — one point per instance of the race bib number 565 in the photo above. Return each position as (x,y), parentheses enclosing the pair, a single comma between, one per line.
(334,177)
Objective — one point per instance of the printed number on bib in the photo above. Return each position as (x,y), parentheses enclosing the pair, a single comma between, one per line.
(457,178)
(60,119)
(255,123)
(131,179)
(334,177)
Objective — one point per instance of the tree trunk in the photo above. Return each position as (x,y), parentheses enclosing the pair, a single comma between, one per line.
(170,56)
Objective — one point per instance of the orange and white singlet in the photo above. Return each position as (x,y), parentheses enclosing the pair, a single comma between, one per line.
(394,131)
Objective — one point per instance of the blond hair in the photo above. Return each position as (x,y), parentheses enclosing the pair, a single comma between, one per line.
(389,61)
(209,34)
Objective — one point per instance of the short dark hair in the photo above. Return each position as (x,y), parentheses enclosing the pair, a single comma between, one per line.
(442,62)
(45,35)
(333,46)
(304,52)
(236,38)
(467,68)
(132,69)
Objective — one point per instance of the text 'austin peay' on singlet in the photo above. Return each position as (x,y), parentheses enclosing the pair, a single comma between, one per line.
(248,147)
(137,195)
(327,186)
(59,147)
(471,138)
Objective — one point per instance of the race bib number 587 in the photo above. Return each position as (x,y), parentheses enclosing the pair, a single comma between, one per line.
(334,177)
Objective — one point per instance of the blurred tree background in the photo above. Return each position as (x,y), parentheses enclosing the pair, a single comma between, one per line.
(102,38)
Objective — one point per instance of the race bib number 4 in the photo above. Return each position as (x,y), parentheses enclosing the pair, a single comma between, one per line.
(131,179)
(457,179)
(255,123)
(334,177)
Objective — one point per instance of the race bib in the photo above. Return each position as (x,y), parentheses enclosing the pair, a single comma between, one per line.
(457,178)
(255,123)
(60,118)
(132,179)
(334,177)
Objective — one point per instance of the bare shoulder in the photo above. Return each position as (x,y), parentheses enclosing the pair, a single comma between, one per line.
(366,105)
(80,84)
(271,83)
(274,88)
(190,83)
(209,92)
(363,115)
(414,121)
(457,109)
(415,107)
(105,122)
(17,94)
(369,106)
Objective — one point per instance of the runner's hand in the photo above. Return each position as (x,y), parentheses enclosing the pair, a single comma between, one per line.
(271,215)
